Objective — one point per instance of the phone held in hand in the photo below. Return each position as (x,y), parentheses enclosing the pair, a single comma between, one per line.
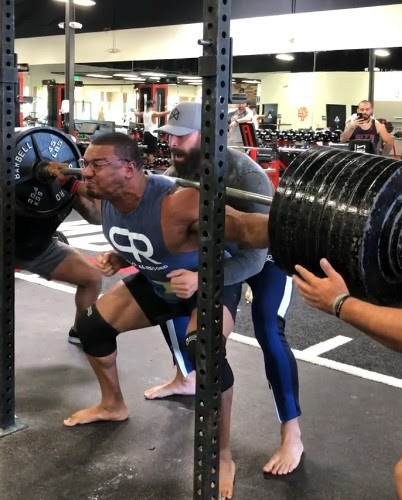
(360,116)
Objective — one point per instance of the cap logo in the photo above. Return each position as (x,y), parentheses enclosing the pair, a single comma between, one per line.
(174,114)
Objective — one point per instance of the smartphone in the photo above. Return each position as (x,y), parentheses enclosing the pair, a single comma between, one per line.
(360,116)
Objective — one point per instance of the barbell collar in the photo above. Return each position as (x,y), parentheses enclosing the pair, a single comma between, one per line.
(231,192)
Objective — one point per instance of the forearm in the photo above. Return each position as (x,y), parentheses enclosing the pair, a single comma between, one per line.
(387,148)
(383,324)
(243,265)
(246,229)
(89,209)
(347,133)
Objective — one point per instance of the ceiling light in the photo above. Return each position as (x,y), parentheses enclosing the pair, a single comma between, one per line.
(73,24)
(381,52)
(251,81)
(189,77)
(152,73)
(98,75)
(83,3)
(194,83)
(285,57)
(131,75)
(374,69)
(134,79)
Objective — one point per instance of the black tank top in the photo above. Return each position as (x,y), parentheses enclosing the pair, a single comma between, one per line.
(370,134)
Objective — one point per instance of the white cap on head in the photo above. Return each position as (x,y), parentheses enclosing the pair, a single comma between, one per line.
(184,119)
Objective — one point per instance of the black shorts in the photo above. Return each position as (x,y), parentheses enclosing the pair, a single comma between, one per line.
(159,311)
(151,142)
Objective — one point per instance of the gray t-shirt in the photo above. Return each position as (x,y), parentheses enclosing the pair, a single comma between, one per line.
(245,174)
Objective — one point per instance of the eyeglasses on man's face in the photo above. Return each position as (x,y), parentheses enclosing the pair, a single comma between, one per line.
(97,164)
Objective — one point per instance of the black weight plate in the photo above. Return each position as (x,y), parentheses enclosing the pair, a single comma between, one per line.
(307,224)
(351,239)
(381,204)
(328,232)
(340,239)
(34,145)
(324,192)
(281,226)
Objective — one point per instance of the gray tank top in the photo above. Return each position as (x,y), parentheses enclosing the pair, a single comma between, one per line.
(137,237)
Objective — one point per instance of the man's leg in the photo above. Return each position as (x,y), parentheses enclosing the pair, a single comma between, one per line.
(271,297)
(116,311)
(398,479)
(61,262)
(76,269)
(183,382)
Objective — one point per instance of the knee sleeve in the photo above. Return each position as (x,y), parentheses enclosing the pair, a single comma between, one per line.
(226,370)
(98,338)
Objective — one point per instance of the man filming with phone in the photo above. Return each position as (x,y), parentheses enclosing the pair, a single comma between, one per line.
(362,126)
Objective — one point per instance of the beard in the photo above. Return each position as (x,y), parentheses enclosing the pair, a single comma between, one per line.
(187,163)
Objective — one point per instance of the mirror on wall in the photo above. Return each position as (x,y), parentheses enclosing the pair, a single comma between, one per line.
(302,88)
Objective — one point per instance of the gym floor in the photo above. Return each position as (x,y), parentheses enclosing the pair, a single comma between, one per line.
(350,425)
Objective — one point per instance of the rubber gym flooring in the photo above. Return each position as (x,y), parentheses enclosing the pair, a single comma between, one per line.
(351,424)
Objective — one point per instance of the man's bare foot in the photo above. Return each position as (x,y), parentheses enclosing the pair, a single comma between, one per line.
(96,414)
(180,385)
(287,457)
(227,472)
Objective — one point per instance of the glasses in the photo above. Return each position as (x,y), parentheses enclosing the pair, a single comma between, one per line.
(97,164)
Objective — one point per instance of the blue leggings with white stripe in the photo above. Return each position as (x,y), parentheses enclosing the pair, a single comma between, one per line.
(272,291)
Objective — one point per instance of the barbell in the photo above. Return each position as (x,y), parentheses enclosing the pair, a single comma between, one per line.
(331,203)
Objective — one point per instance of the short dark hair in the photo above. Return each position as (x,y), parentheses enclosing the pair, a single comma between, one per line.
(125,147)
(150,103)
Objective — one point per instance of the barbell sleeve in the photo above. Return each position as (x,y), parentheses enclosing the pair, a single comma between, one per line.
(231,192)
(72,171)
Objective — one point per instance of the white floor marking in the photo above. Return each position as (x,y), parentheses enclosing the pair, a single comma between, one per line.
(326,345)
(34,278)
(328,363)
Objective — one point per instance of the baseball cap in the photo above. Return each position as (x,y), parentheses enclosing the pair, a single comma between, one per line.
(184,119)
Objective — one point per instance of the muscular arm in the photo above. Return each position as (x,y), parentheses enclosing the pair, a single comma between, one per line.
(89,209)
(383,324)
(385,137)
(250,230)
(349,129)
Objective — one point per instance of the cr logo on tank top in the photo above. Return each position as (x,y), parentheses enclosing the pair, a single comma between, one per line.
(146,250)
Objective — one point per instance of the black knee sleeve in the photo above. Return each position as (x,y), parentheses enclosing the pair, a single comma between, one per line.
(98,338)
(226,370)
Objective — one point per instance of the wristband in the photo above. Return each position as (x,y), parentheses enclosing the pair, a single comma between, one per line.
(338,303)
(71,185)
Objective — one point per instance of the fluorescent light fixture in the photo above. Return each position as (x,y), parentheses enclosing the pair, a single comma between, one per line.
(374,69)
(194,83)
(381,52)
(153,73)
(73,24)
(189,77)
(250,81)
(134,79)
(153,77)
(98,75)
(83,3)
(129,75)
(285,57)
